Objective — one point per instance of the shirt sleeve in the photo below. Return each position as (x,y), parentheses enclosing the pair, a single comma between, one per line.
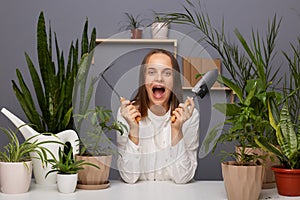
(129,155)
(183,155)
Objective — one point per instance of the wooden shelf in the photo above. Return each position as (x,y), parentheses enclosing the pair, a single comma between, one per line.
(138,41)
(213,88)
(120,40)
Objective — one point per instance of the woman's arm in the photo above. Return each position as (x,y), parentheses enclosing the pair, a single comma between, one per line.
(183,155)
(129,155)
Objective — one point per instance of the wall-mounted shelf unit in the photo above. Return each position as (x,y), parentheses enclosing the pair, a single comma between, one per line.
(139,41)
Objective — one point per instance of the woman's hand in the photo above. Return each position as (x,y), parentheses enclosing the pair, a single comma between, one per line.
(182,114)
(130,113)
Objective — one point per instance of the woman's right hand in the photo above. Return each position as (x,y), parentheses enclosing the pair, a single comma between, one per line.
(130,113)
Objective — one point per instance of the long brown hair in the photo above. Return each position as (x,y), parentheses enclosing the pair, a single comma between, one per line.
(141,99)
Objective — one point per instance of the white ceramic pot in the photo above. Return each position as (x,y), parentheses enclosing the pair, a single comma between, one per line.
(66,183)
(15,177)
(159,30)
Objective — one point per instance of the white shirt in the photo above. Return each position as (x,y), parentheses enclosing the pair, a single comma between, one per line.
(154,158)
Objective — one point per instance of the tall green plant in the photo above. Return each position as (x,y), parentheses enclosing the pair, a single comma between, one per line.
(286,123)
(243,61)
(253,76)
(292,84)
(53,84)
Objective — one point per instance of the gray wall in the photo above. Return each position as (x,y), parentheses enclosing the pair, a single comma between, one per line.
(18,34)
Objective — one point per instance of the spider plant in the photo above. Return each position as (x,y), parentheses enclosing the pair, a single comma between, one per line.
(66,163)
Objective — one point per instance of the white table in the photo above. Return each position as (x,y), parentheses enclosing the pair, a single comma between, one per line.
(143,190)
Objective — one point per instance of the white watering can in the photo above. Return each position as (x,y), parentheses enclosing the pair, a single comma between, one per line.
(39,170)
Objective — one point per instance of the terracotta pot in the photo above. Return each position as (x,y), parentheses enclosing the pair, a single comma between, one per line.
(15,177)
(269,178)
(136,34)
(287,181)
(97,178)
(242,182)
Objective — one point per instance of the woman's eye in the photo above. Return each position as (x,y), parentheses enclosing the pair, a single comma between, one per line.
(151,72)
(168,73)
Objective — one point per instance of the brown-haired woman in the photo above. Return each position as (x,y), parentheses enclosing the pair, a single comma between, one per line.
(154,148)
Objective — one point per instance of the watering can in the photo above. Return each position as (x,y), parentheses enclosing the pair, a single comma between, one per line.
(40,170)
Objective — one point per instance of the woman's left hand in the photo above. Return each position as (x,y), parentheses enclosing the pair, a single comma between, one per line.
(183,113)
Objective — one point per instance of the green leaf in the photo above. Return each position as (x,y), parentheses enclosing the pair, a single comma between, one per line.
(234,87)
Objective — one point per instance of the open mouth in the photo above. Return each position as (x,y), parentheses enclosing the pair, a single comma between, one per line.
(158,91)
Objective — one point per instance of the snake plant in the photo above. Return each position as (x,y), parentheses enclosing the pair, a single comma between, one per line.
(53,81)
(288,137)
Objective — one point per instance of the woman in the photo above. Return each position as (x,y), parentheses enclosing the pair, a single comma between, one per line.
(155,148)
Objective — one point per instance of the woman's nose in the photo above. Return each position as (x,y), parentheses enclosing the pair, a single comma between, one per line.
(159,77)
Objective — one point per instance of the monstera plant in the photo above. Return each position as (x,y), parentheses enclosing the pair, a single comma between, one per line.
(53,81)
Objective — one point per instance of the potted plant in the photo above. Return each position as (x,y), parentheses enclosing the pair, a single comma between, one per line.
(134,24)
(53,87)
(286,124)
(67,169)
(288,152)
(253,78)
(16,163)
(160,27)
(96,147)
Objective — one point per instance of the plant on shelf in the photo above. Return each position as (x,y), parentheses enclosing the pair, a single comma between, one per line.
(134,24)
(286,125)
(67,167)
(253,77)
(16,163)
(160,27)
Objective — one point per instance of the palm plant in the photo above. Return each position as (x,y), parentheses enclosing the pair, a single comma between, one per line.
(53,85)
(252,76)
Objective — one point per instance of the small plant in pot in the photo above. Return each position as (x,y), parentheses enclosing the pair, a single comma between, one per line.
(244,124)
(134,24)
(96,147)
(67,169)
(288,152)
(160,27)
(16,163)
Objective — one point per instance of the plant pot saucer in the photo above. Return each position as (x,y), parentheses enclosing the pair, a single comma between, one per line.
(93,187)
